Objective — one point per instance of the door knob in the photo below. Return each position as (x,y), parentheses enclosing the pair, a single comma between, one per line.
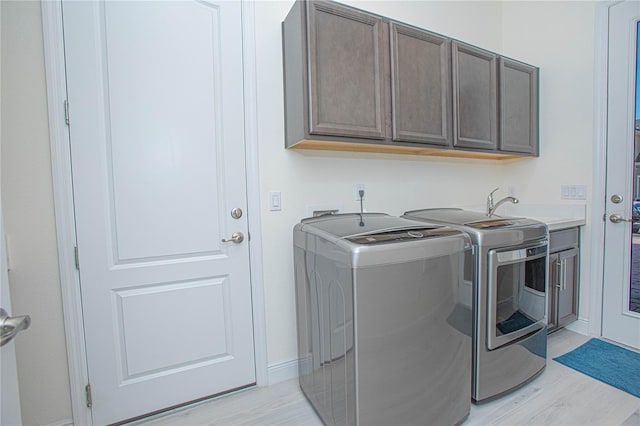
(616,218)
(11,326)
(236,237)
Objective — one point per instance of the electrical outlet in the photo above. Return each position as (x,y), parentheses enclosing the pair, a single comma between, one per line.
(573,192)
(360,187)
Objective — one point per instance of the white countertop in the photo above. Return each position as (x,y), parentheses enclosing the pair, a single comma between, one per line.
(556,223)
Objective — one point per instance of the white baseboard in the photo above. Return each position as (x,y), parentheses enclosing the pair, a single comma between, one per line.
(580,326)
(64,422)
(281,371)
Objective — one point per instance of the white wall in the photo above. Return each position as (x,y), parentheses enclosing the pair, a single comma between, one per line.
(536,32)
(27,201)
(557,37)
(394,184)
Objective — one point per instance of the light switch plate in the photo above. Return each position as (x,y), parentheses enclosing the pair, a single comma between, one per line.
(275,201)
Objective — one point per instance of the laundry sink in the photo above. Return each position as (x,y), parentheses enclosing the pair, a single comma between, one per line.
(470,218)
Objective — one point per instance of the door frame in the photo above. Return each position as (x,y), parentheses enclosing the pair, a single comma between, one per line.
(606,314)
(598,207)
(64,209)
(601,73)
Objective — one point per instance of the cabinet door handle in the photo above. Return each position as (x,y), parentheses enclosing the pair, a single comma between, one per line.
(557,267)
(564,274)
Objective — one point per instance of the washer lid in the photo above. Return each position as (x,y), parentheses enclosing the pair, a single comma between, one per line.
(401,235)
(368,228)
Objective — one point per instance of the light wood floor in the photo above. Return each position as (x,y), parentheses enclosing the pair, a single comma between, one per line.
(559,396)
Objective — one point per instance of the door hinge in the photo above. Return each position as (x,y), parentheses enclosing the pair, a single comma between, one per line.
(77,257)
(87,390)
(66,112)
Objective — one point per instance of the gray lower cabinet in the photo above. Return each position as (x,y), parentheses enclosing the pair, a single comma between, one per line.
(475,97)
(518,107)
(564,261)
(335,72)
(420,86)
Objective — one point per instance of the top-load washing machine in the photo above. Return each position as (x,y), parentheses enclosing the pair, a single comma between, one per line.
(384,320)
(509,332)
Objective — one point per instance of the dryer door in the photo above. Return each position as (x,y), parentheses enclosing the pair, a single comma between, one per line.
(517,293)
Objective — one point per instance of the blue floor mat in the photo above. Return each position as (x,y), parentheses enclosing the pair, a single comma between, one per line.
(606,362)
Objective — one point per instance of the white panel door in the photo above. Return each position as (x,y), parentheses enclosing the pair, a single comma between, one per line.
(155,91)
(619,323)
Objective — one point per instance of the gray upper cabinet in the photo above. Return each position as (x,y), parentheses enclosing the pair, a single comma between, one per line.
(475,97)
(356,81)
(346,71)
(518,107)
(420,86)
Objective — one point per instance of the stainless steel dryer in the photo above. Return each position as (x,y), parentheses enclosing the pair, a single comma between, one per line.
(384,320)
(509,332)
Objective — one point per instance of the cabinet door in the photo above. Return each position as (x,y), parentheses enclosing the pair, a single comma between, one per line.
(567,310)
(420,86)
(518,107)
(475,97)
(346,71)
(552,291)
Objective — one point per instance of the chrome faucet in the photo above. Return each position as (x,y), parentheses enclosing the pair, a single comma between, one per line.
(491,207)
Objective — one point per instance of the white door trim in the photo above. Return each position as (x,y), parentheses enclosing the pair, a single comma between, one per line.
(63,208)
(64,211)
(601,73)
(253,191)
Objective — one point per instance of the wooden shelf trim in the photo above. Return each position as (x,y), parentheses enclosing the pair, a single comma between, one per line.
(399,149)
